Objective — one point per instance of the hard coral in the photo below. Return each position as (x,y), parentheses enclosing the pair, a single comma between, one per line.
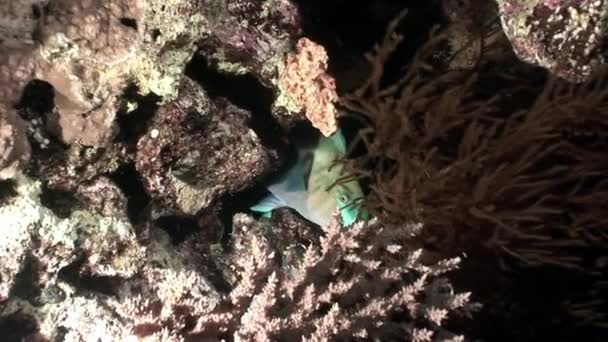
(368,282)
(257,37)
(566,37)
(304,80)
(84,50)
(159,301)
(171,30)
(345,289)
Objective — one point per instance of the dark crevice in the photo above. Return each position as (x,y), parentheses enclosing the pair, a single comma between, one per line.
(18,327)
(36,105)
(132,125)
(347,38)
(8,191)
(246,92)
(179,228)
(36,12)
(129,181)
(61,202)
(37,98)
(26,285)
(84,282)
(238,202)
(129,22)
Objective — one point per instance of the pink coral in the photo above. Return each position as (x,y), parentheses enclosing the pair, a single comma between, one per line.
(353,283)
(305,79)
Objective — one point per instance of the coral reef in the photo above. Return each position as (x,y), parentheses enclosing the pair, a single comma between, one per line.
(122,180)
(499,152)
(88,51)
(347,287)
(85,311)
(14,147)
(565,37)
(83,50)
(348,283)
(258,38)
(171,30)
(186,176)
(34,234)
(250,36)
(304,80)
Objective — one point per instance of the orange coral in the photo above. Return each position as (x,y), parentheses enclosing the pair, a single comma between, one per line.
(306,81)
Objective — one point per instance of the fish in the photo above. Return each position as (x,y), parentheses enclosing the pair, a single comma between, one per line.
(312,188)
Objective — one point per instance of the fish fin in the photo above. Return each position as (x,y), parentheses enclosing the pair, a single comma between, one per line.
(268,204)
(348,218)
(338,141)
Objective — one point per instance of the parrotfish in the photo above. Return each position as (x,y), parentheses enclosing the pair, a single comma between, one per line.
(315,185)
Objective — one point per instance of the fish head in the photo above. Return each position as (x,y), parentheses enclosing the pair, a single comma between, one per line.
(327,193)
(330,186)
(348,198)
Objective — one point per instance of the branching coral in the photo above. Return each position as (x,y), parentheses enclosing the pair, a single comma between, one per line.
(363,283)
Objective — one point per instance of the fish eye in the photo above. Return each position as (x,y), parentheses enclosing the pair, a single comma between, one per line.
(343,198)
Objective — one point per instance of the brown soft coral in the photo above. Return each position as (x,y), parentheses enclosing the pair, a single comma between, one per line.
(502,159)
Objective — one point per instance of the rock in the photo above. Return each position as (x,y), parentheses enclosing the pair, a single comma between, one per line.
(197,149)
(565,37)
(29,229)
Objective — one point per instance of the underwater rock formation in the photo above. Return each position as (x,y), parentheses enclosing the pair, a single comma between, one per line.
(34,233)
(197,149)
(80,260)
(249,36)
(14,147)
(331,287)
(106,308)
(88,51)
(264,39)
(566,37)
(83,50)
